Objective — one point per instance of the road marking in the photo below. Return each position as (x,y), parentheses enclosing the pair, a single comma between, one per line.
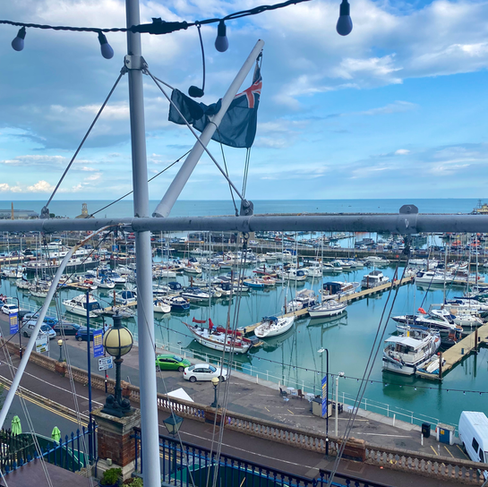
(291,412)
(380,434)
(434,450)
(55,411)
(448,451)
(267,409)
(462,451)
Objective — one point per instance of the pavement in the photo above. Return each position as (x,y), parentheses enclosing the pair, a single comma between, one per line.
(260,400)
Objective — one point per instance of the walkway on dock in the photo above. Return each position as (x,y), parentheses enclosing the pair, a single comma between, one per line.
(349,298)
(460,350)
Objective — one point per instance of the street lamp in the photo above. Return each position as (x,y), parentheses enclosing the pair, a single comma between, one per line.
(341,374)
(173,424)
(117,342)
(60,343)
(215,383)
(322,350)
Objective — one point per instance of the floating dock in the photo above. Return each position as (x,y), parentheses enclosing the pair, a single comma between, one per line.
(349,298)
(457,352)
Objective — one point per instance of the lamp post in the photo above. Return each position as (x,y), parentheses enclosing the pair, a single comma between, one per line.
(215,383)
(18,323)
(117,342)
(60,343)
(341,374)
(322,350)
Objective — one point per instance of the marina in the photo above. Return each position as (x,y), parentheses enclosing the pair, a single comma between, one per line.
(293,358)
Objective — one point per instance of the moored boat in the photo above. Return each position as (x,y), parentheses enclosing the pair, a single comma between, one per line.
(329,307)
(406,353)
(218,338)
(272,326)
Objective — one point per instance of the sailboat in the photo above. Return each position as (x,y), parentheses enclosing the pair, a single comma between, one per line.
(218,337)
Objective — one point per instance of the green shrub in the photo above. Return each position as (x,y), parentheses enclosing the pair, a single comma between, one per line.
(112,476)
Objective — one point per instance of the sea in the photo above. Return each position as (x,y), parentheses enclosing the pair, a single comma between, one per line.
(299,358)
(124,208)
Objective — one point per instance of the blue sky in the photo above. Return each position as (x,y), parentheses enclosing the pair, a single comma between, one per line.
(396,109)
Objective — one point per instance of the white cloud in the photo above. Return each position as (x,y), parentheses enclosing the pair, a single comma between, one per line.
(40,187)
(402,152)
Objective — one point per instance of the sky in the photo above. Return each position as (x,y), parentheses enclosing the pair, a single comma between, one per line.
(396,109)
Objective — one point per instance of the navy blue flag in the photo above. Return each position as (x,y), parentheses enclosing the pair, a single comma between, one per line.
(238,126)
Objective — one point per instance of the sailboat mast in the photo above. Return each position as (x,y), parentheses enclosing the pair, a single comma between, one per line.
(145,324)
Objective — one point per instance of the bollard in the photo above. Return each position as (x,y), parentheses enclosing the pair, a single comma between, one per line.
(421,439)
(462,351)
(394,417)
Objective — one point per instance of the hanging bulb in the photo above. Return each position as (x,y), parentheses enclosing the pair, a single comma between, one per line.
(344,24)
(221,43)
(18,42)
(105,47)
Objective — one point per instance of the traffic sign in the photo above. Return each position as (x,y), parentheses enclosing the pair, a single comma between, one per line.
(105,363)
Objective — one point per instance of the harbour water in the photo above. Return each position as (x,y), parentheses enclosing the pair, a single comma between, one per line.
(295,359)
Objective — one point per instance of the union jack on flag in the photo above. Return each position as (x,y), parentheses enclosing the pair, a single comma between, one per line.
(238,126)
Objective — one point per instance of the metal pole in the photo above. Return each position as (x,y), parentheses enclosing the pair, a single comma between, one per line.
(178,183)
(18,323)
(337,407)
(145,319)
(327,403)
(90,451)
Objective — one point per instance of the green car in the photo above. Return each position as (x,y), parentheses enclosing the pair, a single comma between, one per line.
(171,362)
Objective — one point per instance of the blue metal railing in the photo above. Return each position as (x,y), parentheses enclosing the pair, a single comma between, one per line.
(187,465)
(73,453)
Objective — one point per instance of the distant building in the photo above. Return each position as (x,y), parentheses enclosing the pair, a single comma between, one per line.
(84,212)
(18,214)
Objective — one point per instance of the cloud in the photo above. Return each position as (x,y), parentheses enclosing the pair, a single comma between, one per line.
(402,152)
(40,187)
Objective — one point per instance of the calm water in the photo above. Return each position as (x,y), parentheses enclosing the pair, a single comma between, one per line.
(201,208)
(294,358)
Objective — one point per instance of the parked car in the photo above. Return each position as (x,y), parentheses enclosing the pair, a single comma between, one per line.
(9,308)
(65,328)
(171,362)
(50,320)
(29,326)
(202,372)
(82,333)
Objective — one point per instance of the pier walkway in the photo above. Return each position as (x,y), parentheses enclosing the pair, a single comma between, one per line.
(460,350)
(349,298)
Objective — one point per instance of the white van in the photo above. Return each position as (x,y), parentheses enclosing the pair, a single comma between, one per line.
(473,432)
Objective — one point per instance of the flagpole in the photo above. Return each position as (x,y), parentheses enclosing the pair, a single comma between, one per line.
(145,315)
(176,187)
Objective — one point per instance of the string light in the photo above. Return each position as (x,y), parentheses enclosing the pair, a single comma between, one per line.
(344,24)
(221,42)
(18,42)
(160,27)
(105,47)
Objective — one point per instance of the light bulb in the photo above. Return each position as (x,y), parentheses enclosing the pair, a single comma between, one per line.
(344,24)
(107,51)
(221,43)
(18,42)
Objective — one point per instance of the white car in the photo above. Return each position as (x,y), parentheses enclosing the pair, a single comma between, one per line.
(203,372)
(10,308)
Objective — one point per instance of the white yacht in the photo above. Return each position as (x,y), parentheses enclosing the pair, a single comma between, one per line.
(79,306)
(406,353)
(374,279)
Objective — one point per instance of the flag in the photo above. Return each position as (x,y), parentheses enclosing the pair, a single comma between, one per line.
(238,126)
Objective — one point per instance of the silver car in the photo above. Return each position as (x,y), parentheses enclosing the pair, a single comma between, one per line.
(29,326)
(202,372)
